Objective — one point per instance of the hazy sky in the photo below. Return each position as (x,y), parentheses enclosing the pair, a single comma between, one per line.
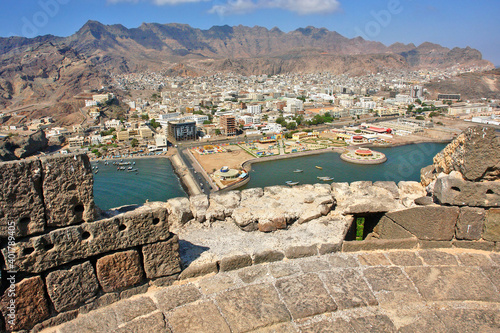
(447,22)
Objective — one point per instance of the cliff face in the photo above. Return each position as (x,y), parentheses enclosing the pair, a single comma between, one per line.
(18,147)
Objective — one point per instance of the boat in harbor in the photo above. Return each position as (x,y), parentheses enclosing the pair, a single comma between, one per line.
(290,183)
(318,167)
(326,179)
(298,171)
(132,170)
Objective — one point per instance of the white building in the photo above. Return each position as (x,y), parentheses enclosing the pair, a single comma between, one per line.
(254,109)
(161,142)
(113,123)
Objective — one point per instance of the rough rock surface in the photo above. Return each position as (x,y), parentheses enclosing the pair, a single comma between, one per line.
(179,212)
(222,205)
(18,147)
(31,306)
(119,270)
(147,224)
(162,259)
(21,200)
(69,288)
(68,190)
(452,190)
(470,223)
(429,222)
(283,206)
(199,205)
(492,225)
(467,154)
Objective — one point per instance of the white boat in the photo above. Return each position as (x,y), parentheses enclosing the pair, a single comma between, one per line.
(318,167)
(298,171)
(290,183)
(132,170)
(326,179)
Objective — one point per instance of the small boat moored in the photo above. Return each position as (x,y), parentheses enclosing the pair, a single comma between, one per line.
(290,183)
(318,167)
(298,171)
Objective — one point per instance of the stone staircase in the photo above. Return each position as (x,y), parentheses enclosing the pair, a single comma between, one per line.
(448,290)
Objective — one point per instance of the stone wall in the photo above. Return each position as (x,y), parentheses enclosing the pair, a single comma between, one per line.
(63,257)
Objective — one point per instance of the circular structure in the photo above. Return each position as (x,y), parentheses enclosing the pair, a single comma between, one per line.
(363,156)
(225,173)
(357,139)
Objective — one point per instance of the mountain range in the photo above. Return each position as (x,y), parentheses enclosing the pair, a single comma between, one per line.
(51,69)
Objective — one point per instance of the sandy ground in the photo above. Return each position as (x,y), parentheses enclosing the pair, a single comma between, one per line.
(232,159)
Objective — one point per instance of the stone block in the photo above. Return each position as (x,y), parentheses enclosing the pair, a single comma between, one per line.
(382,323)
(404,258)
(451,190)
(373,259)
(474,259)
(165,281)
(429,222)
(201,317)
(68,190)
(424,244)
(379,244)
(170,298)
(69,288)
(199,205)
(474,245)
(492,225)
(305,296)
(343,260)
(438,258)
(217,283)
(134,291)
(235,262)
(252,273)
(179,212)
(99,302)
(151,323)
(314,264)
(55,321)
(196,270)
(252,307)
(31,306)
(129,309)
(141,226)
(268,256)
(162,258)
(327,248)
(295,252)
(387,229)
(424,201)
(389,186)
(281,269)
(21,188)
(119,270)
(470,223)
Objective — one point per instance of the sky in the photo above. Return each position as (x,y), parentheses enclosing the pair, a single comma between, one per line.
(450,23)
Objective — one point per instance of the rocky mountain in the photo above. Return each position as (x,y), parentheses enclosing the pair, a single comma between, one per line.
(53,69)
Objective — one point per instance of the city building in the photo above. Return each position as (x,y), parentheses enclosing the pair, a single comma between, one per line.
(145,133)
(478,109)
(228,124)
(122,136)
(182,131)
(449,97)
(254,109)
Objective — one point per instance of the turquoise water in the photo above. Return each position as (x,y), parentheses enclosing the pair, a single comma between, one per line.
(403,163)
(155,181)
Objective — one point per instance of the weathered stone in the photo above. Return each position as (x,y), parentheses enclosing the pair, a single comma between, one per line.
(278,222)
(222,205)
(152,323)
(278,328)
(199,205)
(295,252)
(252,274)
(409,191)
(99,321)
(70,288)
(252,307)
(470,320)
(30,305)
(165,281)
(424,201)
(172,297)
(404,258)
(493,273)
(380,323)
(119,270)
(474,259)
(364,198)
(129,309)
(343,260)
(387,229)
(389,186)
(55,321)
(195,270)
(452,284)
(470,223)
(450,190)
(162,258)
(235,262)
(252,193)
(348,289)
(428,223)
(438,258)
(492,225)
(424,244)
(373,259)
(305,296)
(496,258)
(313,265)
(474,245)
(68,190)
(179,212)
(267,256)
(327,248)
(141,226)
(338,325)
(390,285)
(467,153)
(379,244)
(281,269)
(134,291)
(195,318)
(21,188)
(216,284)
(99,302)
(427,175)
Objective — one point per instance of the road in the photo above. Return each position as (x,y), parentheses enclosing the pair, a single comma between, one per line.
(195,171)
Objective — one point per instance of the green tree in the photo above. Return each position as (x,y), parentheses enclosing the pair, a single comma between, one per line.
(217,131)
(420,117)
(154,124)
(144,117)
(207,122)
(134,143)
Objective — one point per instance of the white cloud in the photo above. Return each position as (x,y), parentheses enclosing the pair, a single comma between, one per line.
(159,2)
(302,7)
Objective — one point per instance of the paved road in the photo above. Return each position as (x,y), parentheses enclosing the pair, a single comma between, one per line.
(395,291)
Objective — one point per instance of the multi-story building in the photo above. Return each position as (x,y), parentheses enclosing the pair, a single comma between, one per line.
(228,124)
(254,109)
(182,131)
